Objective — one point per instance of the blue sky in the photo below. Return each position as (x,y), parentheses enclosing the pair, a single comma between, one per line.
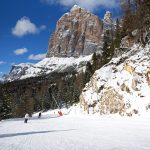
(26,26)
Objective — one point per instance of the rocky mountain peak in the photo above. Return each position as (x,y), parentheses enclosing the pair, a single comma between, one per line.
(17,71)
(108,21)
(75,7)
(78,32)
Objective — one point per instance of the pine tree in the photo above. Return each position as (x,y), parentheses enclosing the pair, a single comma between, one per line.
(5,104)
(136,16)
(128,7)
(117,37)
(108,49)
(88,72)
(94,63)
(144,9)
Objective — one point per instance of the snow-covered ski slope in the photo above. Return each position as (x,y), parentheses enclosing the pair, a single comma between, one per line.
(76,132)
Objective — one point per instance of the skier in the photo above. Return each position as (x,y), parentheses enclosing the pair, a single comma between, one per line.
(26,118)
(39,115)
(60,113)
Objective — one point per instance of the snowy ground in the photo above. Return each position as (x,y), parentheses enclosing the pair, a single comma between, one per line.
(76,132)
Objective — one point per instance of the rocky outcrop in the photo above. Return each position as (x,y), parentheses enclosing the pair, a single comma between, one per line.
(17,71)
(108,27)
(112,102)
(121,86)
(128,68)
(77,33)
(108,21)
(148,77)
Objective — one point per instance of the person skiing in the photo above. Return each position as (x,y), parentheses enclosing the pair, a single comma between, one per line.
(60,113)
(26,118)
(39,115)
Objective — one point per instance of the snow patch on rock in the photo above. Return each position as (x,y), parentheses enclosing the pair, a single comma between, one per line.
(46,66)
(75,7)
(121,86)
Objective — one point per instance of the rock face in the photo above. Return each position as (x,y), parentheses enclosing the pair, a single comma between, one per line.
(77,33)
(108,27)
(108,21)
(121,86)
(17,71)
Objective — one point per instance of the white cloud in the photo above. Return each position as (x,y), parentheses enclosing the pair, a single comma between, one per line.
(2,62)
(91,5)
(24,26)
(37,57)
(20,51)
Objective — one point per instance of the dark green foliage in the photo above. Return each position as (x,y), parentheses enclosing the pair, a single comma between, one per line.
(108,49)
(5,109)
(143,12)
(95,64)
(117,36)
(5,105)
(128,8)
(34,94)
(88,72)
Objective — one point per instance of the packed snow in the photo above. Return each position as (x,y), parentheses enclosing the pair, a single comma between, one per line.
(76,131)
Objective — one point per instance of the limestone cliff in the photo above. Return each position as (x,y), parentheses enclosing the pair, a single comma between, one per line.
(77,33)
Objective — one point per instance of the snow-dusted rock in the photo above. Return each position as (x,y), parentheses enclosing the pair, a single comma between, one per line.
(121,86)
(108,21)
(17,71)
(46,66)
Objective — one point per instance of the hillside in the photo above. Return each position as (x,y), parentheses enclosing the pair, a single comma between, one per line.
(121,86)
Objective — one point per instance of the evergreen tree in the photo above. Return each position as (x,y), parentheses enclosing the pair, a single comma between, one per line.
(5,104)
(128,7)
(117,37)
(108,49)
(94,62)
(136,16)
(88,72)
(143,13)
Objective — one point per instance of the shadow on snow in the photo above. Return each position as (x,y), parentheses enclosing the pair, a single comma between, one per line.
(28,133)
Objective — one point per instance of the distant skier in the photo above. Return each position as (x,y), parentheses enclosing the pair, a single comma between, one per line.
(60,113)
(40,115)
(26,118)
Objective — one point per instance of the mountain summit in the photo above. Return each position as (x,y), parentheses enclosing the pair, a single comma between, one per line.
(75,7)
(108,21)
(78,32)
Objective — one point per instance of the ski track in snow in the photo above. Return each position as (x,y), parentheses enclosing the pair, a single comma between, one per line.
(75,132)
